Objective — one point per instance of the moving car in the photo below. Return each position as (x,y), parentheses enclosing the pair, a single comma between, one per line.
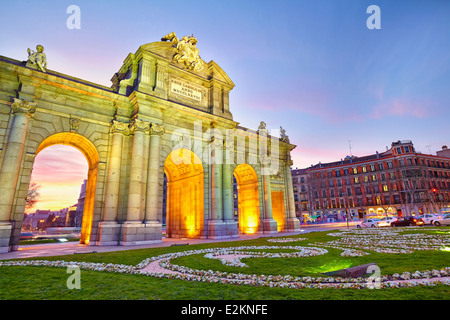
(430,218)
(389,220)
(445,220)
(407,221)
(26,236)
(369,223)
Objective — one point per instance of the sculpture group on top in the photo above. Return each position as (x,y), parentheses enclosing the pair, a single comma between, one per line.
(187,51)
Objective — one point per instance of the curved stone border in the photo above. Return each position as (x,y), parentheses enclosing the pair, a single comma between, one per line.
(281,240)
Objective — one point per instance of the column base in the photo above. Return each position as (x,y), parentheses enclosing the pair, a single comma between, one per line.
(292,225)
(269,226)
(138,233)
(219,229)
(5,236)
(108,233)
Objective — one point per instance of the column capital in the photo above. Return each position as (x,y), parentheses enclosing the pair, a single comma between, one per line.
(139,125)
(157,129)
(23,106)
(118,126)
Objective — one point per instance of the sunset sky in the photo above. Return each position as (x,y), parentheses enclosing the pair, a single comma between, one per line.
(312,67)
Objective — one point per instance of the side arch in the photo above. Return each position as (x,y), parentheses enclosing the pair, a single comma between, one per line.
(185,195)
(248,198)
(87,148)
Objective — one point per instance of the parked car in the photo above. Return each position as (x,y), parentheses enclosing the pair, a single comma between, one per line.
(389,220)
(368,223)
(430,218)
(407,221)
(445,220)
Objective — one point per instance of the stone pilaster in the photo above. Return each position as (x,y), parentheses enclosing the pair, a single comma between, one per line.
(151,210)
(109,228)
(292,223)
(9,172)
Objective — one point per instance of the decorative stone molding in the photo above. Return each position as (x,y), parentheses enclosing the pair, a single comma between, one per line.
(74,124)
(157,129)
(23,106)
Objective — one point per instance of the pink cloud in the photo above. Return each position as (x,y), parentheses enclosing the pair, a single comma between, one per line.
(402,107)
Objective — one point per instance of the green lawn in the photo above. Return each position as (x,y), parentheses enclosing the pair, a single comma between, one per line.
(17,283)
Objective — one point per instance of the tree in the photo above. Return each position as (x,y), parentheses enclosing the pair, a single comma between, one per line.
(33,195)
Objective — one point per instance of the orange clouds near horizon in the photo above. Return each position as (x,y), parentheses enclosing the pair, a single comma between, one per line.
(60,171)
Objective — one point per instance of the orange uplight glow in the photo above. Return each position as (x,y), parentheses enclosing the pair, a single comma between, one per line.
(248,198)
(184,173)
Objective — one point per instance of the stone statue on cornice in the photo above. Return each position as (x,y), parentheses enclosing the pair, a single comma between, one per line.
(37,58)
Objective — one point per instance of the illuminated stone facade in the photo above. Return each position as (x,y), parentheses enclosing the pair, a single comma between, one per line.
(167,112)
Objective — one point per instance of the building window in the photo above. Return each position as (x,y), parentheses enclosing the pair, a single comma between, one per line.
(374,177)
(372,167)
(399,150)
(364,169)
(346,172)
(355,170)
(356,180)
(366,178)
(385,188)
(349,191)
(380,166)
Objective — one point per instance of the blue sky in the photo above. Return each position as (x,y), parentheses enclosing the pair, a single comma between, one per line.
(312,67)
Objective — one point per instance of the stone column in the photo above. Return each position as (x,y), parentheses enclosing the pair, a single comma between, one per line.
(292,223)
(138,127)
(109,229)
(9,173)
(153,185)
(227,197)
(217,227)
(269,225)
(136,230)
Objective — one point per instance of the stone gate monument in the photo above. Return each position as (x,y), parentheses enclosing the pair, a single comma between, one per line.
(166,113)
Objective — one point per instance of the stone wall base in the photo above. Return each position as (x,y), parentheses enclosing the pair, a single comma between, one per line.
(5,236)
(219,229)
(138,233)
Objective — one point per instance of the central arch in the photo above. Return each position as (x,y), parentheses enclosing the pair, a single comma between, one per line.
(185,215)
(90,152)
(248,198)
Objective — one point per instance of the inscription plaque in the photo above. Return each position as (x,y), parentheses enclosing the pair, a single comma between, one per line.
(185,89)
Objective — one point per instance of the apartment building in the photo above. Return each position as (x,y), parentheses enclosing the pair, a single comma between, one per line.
(399,181)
